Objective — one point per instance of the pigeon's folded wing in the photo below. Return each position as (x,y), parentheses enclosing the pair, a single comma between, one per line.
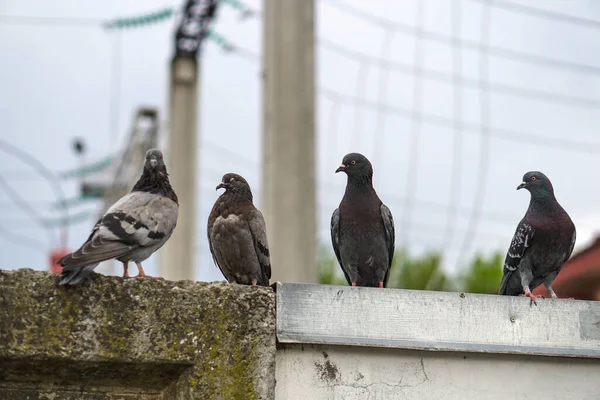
(261,246)
(521,241)
(335,239)
(390,234)
(573,239)
(139,219)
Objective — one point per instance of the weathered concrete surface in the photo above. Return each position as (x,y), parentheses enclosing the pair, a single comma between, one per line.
(328,372)
(134,339)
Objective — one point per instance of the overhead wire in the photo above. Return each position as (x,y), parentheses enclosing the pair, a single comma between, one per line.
(50,177)
(21,240)
(552,16)
(484,149)
(450,78)
(416,118)
(25,206)
(379,131)
(448,40)
(583,147)
(456,163)
(361,88)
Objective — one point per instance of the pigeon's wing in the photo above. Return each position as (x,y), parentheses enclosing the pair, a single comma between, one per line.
(390,236)
(261,246)
(209,232)
(139,219)
(573,239)
(335,240)
(521,241)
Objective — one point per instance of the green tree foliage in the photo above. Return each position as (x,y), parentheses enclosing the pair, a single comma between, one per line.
(482,275)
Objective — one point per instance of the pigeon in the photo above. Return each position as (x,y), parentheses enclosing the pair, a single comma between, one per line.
(542,243)
(237,235)
(132,229)
(362,228)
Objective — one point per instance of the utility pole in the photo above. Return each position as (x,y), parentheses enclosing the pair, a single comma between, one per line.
(177,258)
(289,138)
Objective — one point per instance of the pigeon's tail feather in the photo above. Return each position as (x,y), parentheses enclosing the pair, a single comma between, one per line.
(76,276)
(504,283)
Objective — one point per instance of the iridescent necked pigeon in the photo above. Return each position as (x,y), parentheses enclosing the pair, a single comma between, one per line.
(362,228)
(542,243)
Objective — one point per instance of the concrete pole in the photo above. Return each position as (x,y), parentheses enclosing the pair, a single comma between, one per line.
(289,139)
(177,257)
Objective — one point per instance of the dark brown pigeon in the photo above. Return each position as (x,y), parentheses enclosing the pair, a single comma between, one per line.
(362,228)
(542,243)
(237,235)
(132,229)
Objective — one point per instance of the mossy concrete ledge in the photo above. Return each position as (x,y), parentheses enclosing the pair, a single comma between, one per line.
(115,338)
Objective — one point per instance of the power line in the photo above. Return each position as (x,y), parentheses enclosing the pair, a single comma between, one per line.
(484,151)
(499,133)
(23,204)
(433,36)
(21,240)
(379,132)
(51,21)
(518,91)
(457,136)
(361,88)
(415,131)
(44,171)
(334,115)
(543,14)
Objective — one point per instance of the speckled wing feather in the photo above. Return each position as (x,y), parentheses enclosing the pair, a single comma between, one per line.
(139,219)
(521,241)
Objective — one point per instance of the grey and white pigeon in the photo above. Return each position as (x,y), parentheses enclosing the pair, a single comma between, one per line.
(542,243)
(237,235)
(132,229)
(362,228)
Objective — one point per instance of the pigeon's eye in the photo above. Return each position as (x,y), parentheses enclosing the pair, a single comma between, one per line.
(533,178)
(232,179)
(352,162)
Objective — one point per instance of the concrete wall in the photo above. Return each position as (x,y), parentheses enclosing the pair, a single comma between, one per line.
(364,343)
(147,339)
(134,339)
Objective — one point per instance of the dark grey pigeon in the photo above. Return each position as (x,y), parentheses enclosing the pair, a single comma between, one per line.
(132,229)
(542,243)
(362,228)
(237,235)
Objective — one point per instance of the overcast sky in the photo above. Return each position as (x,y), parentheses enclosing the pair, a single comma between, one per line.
(540,114)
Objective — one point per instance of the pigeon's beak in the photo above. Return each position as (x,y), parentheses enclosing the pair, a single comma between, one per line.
(521,186)
(342,167)
(153,162)
(220,186)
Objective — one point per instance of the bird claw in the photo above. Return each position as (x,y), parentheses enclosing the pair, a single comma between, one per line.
(532,296)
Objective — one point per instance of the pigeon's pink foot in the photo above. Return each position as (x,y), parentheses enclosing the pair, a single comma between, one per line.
(531,295)
(353,283)
(141,273)
(253,283)
(125,273)
(381,285)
